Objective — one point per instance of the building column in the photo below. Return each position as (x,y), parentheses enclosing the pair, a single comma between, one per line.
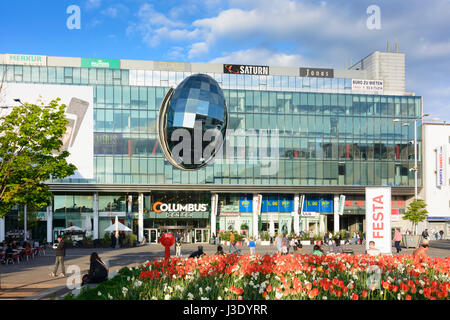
(49,224)
(336,213)
(296,214)
(321,224)
(2,228)
(214,203)
(141,217)
(96,233)
(255,215)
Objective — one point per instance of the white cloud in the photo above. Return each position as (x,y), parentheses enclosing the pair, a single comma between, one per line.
(93,4)
(263,57)
(111,12)
(198,49)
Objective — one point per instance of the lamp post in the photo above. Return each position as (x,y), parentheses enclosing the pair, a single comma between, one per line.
(415,168)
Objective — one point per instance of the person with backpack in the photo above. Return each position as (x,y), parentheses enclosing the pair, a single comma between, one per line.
(233,244)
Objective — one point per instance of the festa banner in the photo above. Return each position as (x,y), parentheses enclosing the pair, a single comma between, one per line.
(378,218)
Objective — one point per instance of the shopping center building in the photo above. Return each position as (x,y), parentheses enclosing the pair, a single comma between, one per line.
(326,135)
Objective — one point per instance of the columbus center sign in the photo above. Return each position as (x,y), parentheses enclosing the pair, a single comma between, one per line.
(378,218)
(159,207)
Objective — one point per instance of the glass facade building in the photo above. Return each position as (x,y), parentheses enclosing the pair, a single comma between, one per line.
(330,140)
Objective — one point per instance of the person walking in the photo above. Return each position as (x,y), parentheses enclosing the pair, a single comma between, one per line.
(233,244)
(354,238)
(326,238)
(252,246)
(358,238)
(278,243)
(60,251)
(425,234)
(441,233)
(397,239)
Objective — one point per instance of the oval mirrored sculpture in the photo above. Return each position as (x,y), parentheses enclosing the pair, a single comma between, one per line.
(192,122)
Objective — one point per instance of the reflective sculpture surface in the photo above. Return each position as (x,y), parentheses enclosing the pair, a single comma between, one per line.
(192,122)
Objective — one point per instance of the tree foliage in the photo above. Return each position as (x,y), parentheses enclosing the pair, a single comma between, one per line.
(30,143)
(416,212)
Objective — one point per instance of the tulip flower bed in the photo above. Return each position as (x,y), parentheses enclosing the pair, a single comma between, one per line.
(295,277)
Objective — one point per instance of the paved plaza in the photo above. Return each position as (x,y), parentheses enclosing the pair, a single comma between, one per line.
(31,280)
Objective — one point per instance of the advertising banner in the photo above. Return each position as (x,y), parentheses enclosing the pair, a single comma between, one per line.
(246,69)
(326,206)
(286,205)
(378,218)
(108,143)
(79,136)
(395,215)
(259,204)
(440,166)
(214,204)
(367,85)
(341,205)
(100,63)
(24,59)
(312,206)
(301,204)
(245,204)
(316,73)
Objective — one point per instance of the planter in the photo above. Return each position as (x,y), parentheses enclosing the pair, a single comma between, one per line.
(319,242)
(265,243)
(305,242)
(411,241)
(239,243)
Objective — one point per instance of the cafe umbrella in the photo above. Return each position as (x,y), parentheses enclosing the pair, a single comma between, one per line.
(73,228)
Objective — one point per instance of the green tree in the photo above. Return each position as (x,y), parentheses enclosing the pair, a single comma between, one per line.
(30,144)
(416,213)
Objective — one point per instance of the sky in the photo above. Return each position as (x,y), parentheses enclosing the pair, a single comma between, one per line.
(260,32)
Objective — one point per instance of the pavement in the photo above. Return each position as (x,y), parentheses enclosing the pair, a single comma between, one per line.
(30,279)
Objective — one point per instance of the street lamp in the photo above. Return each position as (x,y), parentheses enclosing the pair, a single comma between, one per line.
(405,124)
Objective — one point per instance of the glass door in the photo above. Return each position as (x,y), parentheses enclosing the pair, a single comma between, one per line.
(202,235)
(151,235)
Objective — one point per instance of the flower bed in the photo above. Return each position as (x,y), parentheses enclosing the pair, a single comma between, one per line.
(298,277)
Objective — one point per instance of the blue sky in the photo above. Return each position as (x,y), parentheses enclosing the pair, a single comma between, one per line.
(267,32)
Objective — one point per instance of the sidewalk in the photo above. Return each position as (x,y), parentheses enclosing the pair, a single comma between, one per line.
(31,280)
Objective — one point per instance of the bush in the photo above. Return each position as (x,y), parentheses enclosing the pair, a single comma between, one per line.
(107,237)
(264,236)
(225,236)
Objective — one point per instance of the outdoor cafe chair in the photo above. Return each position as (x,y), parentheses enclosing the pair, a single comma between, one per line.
(28,253)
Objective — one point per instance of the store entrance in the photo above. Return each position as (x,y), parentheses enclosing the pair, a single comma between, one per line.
(186,232)
(202,235)
(151,235)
